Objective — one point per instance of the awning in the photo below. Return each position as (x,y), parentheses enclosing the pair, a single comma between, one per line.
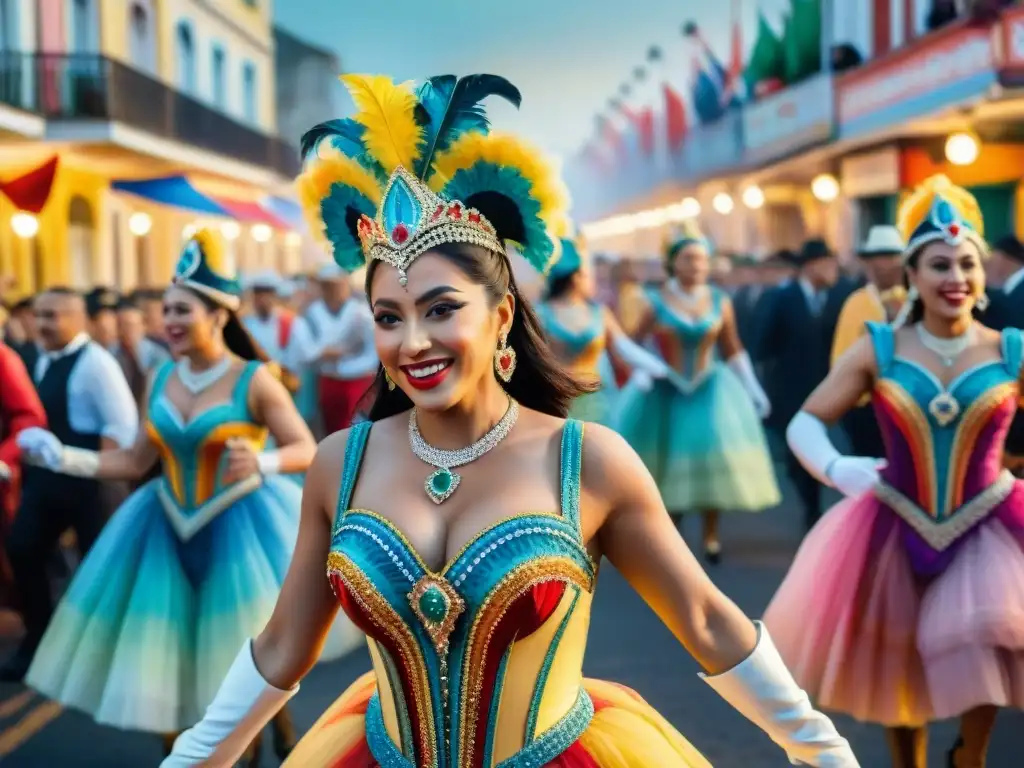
(175,191)
(250,213)
(287,211)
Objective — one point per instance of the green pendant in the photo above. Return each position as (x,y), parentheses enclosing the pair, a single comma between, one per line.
(441,484)
(434,605)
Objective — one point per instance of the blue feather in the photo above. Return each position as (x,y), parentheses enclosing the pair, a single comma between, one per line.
(451,107)
(496,191)
(345,135)
(340,212)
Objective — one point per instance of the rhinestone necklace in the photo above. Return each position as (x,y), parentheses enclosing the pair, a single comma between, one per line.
(442,482)
(948,350)
(686,299)
(197,382)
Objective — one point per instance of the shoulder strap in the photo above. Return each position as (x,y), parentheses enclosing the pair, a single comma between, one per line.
(354,449)
(571,461)
(160,380)
(884,341)
(1013,350)
(241,391)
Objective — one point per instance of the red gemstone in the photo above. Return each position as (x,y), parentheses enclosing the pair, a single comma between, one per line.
(400,233)
(953,229)
(474,217)
(505,361)
(455,211)
(437,212)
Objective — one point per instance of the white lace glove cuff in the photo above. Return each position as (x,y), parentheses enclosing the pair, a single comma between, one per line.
(638,358)
(761,689)
(744,369)
(807,437)
(78,462)
(243,705)
(269,462)
(42,448)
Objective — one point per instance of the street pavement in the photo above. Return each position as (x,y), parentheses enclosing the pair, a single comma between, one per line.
(627,644)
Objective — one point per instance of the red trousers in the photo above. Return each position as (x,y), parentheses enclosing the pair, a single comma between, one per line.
(338,401)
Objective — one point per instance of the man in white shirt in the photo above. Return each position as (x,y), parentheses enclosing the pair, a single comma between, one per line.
(1006,310)
(269,323)
(336,336)
(88,405)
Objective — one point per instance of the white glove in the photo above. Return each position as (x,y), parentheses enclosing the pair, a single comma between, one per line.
(851,475)
(270,462)
(638,358)
(243,705)
(42,448)
(744,370)
(762,690)
(641,380)
(5,472)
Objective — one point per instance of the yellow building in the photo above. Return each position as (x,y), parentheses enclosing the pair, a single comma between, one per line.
(137,89)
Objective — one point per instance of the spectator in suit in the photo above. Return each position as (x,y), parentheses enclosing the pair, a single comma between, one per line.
(27,343)
(1006,310)
(796,323)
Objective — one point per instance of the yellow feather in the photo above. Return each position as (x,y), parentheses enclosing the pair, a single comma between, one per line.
(387,111)
(215,254)
(547,187)
(329,168)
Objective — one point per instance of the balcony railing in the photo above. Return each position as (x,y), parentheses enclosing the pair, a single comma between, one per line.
(90,87)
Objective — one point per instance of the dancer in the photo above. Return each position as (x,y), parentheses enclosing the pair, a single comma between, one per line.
(477,654)
(699,431)
(192,562)
(582,333)
(904,603)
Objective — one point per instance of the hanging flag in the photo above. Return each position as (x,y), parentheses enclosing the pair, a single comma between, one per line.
(30,191)
(676,123)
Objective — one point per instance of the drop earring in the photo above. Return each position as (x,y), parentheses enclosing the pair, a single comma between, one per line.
(389,380)
(981,304)
(504,360)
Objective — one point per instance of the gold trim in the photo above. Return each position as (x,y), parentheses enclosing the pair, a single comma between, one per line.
(187,526)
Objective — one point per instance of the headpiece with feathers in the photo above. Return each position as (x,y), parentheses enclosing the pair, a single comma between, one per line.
(938,210)
(417,167)
(687,234)
(207,267)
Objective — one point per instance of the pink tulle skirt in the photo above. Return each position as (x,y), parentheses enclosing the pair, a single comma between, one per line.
(864,635)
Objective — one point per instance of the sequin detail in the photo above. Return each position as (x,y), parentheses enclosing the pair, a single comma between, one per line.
(557,738)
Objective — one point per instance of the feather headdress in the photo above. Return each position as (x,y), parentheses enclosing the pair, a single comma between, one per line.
(687,234)
(417,167)
(940,210)
(207,267)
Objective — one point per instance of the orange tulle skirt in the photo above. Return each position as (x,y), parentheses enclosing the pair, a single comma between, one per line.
(625,732)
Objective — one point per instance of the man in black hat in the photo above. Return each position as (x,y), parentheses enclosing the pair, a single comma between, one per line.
(1006,310)
(27,345)
(794,339)
(88,405)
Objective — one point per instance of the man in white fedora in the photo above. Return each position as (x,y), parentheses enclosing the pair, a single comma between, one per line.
(879,300)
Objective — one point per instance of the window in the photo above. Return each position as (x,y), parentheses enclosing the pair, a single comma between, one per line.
(186,58)
(83,28)
(140,38)
(9,25)
(249,91)
(220,92)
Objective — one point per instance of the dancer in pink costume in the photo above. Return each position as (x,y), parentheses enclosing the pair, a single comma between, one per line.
(906,602)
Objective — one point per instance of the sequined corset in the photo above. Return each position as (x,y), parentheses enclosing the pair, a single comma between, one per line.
(192,489)
(689,344)
(580,350)
(481,663)
(944,444)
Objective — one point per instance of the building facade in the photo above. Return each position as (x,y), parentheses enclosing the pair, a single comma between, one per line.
(306,85)
(131,90)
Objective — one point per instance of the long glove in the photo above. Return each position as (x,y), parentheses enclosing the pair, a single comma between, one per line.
(646,367)
(243,705)
(761,689)
(744,370)
(42,448)
(850,475)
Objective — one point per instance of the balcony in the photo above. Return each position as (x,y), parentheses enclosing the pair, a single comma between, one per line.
(87,87)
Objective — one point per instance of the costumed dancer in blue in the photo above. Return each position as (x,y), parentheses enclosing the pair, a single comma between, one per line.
(699,429)
(583,334)
(191,564)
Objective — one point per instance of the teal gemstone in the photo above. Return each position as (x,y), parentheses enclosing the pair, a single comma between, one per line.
(441,481)
(434,605)
(401,208)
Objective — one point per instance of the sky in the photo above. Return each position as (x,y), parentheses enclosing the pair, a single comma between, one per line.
(567,57)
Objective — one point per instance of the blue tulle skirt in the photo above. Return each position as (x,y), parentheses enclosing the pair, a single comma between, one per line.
(707,449)
(150,624)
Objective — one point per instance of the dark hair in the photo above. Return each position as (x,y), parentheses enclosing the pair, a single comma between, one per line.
(560,285)
(540,382)
(917,311)
(241,343)
(1011,246)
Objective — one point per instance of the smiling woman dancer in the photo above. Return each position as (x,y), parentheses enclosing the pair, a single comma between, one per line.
(905,603)
(474,575)
(192,562)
